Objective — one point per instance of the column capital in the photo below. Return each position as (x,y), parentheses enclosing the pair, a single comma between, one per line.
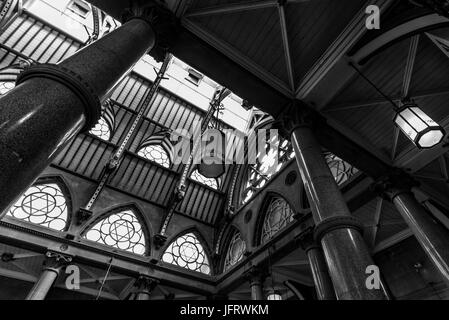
(146,284)
(54,261)
(393,184)
(439,6)
(297,115)
(307,240)
(255,274)
(163,22)
(70,79)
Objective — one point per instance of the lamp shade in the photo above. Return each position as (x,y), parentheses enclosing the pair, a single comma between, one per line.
(418,126)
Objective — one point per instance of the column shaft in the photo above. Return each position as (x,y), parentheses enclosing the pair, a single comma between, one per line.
(346,253)
(43,285)
(256,290)
(52,103)
(431,235)
(321,278)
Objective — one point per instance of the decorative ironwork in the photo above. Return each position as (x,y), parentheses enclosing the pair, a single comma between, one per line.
(44,205)
(155,153)
(210,182)
(5,87)
(102,130)
(278,216)
(236,251)
(341,170)
(120,230)
(187,252)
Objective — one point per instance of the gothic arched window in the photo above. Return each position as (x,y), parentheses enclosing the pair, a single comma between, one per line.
(44,205)
(341,170)
(6,86)
(155,153)
(102,130)
(121,230)
(187,252)
(210,182)
(278,216)
(236,251)
(264,169)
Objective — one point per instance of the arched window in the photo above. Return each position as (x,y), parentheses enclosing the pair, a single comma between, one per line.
(278,216)
(236,251)
(105,126)
(120,230)
(44,205)
(187,252)
(341,170)
(264,169)
(102,130)
(6,86)
(210,182)
(155,153)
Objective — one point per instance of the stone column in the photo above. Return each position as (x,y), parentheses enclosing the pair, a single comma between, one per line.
(53,265)
(318,266)
(52,103)
(256,279)
(145,286)
(339,233)
(431,235)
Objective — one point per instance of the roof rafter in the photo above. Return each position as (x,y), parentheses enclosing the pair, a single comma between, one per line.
(232,8)
(286,43)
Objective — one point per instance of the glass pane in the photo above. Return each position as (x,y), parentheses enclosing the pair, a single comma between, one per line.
(198,177)
(236,250)
(187,252)
(120,230)
(102,130)
(155,153)
(44,205)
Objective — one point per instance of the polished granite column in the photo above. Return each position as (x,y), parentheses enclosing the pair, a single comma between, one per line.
(431,234)
(339,233)
(323,283)
(256,279)
(52,103)
(53,265)
(145,286)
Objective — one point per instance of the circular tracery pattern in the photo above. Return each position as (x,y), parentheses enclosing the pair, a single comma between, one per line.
(236,250)
(120,230)
(341,170)
(43,205)
(5,87)
(278,216)
(210,182)
(187,252)
(155,153)
(102,130)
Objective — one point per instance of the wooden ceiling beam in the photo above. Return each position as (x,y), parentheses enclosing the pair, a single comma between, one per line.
(232,8)
(286,43)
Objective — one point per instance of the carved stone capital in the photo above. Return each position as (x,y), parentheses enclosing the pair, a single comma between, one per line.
(163,22)
(394,184)
(297,115)
(307,240)
(255,275)
(439,6)
(82,89)
(55,261)
(146,284)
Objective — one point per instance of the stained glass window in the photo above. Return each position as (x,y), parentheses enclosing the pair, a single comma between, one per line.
(155,153)
(119,230)
(279,215)
(102,130)
(44,205)
(236,250)
(341,170)
(187,252)
(6,86)
(261,172)
(198,177)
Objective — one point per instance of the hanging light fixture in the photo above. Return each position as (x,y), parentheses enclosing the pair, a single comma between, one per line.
(422,130)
